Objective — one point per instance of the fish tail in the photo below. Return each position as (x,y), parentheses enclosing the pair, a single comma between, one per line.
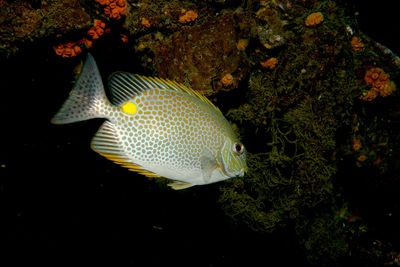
(87,99)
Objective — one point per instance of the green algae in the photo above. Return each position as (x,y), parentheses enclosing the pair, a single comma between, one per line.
(302,115)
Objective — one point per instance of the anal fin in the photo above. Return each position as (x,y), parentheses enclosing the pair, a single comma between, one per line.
(178,185)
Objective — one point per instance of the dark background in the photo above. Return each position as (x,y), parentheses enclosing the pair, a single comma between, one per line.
(61,203)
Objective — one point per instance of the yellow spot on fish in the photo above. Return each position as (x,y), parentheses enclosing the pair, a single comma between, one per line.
(129,108)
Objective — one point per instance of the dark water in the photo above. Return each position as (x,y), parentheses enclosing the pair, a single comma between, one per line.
(63,203)
(379,20)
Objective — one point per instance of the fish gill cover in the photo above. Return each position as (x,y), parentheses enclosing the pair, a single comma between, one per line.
(314,99)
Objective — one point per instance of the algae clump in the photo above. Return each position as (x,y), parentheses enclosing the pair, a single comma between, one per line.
(300,118)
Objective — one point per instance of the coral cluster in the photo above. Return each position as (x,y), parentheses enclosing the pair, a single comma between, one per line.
(314,19)
(188,16)
(380,83)
(269,63)
(72,49)
(97,30)
(114,8)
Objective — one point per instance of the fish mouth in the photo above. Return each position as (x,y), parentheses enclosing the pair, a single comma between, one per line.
(241,173)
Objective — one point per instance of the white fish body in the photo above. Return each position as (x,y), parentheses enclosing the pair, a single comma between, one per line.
(156,127)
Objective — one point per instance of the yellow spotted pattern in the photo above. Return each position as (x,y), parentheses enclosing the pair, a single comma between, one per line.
(169,128)
(156,127)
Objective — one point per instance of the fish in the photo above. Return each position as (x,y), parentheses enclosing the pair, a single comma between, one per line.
(156,127)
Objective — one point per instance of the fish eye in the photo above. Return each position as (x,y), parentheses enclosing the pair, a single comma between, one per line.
(238,148)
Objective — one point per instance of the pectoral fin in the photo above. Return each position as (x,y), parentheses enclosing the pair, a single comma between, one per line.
(208,165)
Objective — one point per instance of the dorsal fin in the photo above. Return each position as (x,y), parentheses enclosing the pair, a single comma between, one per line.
(107,144)
(124,86)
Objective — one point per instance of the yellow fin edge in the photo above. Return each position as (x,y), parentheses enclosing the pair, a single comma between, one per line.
(129,165)
(178,185)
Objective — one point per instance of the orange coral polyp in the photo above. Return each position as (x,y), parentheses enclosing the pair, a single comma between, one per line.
(99,23)
(242,44)
(146,23)
(97,30)
(124,38)
(92,33)
(77,49)
(115,14)
(356,43)
(356,144)
(373,75)
(227,80)
(387,89)
(107,10)
(58,49)
(369,95)
(121,3)
(88,43)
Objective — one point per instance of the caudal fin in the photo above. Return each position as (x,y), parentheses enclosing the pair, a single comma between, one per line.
(87,99)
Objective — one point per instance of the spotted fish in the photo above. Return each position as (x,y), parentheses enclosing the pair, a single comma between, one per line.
(156,127)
